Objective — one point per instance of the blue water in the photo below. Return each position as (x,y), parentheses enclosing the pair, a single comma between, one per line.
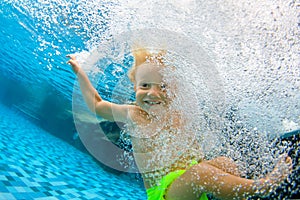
(36,165)
(41,154)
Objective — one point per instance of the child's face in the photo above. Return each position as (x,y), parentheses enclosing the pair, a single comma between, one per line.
(150,90)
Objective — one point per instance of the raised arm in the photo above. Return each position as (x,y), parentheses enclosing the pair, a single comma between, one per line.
(105,109)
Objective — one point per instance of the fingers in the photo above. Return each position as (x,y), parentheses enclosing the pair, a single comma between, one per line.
(73,62)
(71,56)
(72,59)
(286,161)
(289,161)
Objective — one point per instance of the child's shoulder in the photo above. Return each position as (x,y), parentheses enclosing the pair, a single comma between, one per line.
(137,115)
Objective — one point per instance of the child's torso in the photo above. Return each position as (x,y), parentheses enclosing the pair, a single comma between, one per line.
(161,147)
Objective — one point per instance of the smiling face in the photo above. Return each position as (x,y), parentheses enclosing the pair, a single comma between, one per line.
(150,91)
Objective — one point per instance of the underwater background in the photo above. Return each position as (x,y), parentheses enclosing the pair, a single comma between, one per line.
(255,50)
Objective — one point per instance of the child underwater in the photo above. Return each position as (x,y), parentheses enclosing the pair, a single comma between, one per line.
(168,172)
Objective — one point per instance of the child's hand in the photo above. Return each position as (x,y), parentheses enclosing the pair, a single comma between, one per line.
(73,62)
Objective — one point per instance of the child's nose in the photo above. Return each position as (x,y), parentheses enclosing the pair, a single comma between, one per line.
(154,91)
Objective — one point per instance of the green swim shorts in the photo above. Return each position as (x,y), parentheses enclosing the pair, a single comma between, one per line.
(158,192)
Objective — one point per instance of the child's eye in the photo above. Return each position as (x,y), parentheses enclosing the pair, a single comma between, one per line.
(144,86)
(163,86)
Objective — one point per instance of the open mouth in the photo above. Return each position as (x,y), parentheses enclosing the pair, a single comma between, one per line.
(151,103)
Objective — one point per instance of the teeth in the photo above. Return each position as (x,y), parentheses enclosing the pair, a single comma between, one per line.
(152,103)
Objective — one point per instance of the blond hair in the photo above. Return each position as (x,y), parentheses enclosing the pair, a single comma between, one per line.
(141,56)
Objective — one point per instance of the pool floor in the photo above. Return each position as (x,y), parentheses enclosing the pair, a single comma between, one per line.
(36,165)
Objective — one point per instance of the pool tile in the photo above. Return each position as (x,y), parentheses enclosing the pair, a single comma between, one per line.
(36,165)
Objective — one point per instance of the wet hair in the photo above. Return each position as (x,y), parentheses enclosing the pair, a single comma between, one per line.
(142,55)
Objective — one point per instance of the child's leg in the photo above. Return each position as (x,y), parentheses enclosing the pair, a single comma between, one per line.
(207,178)
(225,164)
